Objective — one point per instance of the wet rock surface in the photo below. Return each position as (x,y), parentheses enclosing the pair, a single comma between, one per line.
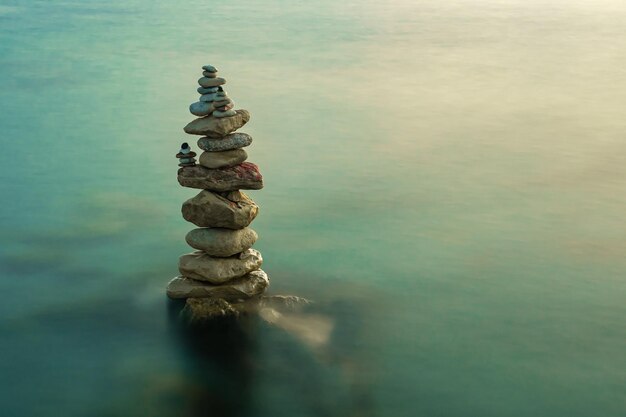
(232,141)
(201,309)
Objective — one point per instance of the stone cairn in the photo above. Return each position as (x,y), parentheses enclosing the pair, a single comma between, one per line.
(224,271)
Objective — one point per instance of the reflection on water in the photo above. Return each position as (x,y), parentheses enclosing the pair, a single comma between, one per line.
(227,367)
(220,364)
(224,362)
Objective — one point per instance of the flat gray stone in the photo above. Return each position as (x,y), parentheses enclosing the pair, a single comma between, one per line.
(226,113)
(223,102)
(201,108)
(209,68)
(245,176)
(233,141)
(241,288)
(200,266)
(211,82)
(207,90)
(233,210)
(223,159)
(217,127)
(283,302)
(209,74)
(221,242)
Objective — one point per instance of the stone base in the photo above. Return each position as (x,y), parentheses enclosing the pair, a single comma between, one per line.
(247,286)
(218,271)
(199,309)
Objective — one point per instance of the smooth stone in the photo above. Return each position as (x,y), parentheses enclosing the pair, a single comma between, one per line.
(234,210)
(247,286)
(201,108)
(223,159)
(232,141)
(211,82)
(220,103)
(207,97)
(227,113)
(245,176)
(209,74)
(221,242)
(209,68)
(207,90)
(198,265)
(217,127)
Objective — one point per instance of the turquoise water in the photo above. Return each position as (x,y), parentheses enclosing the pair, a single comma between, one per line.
(446,181)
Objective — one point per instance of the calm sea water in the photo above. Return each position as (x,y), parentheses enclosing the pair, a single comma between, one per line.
(444,179)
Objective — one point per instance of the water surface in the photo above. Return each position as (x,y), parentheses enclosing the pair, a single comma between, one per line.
(445,180)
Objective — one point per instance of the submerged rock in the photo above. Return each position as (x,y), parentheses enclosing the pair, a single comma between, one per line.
(235,210)
(282,302)
(214,160)
(245,176)
(217,127)
(199,309)
(249,285)
(232,141)
(202,267)
(221,242)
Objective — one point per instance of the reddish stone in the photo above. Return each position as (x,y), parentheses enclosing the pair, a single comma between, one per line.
(245,176)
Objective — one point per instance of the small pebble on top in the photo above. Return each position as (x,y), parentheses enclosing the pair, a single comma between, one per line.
(213,99)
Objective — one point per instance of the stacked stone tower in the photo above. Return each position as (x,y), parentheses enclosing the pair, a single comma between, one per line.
(223,267)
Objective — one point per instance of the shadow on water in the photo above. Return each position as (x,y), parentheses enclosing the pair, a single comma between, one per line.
(308,363)
(219,363)
(131,353)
